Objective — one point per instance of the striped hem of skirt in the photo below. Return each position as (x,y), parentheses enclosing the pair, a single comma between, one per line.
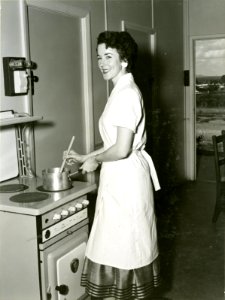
(102,281)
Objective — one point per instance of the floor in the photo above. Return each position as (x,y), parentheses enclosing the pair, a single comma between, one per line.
(191,246)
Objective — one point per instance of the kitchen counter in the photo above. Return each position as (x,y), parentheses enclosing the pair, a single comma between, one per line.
(36,208)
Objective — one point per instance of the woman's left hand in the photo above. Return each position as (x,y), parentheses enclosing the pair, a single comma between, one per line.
(89,165)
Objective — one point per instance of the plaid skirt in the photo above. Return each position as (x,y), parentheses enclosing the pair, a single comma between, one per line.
(102,281)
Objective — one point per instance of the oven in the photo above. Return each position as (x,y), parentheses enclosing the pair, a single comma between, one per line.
(43,241)
(61,250)
(61,267)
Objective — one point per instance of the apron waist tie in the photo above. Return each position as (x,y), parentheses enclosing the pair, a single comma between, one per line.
(152,170)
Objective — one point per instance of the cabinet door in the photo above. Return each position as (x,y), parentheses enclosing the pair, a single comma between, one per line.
(19,266)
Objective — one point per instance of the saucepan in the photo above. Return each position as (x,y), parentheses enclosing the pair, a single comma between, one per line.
(58,179)
(55,180)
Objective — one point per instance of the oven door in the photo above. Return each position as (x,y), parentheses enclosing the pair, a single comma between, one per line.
(62,265)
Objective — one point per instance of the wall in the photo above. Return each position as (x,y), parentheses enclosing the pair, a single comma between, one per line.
(206,17)
(127,10)
(12,45)
(168,121)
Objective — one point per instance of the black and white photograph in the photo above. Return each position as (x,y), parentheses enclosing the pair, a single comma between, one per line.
(112,150)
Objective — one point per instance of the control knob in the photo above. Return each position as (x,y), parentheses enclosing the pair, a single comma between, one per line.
(64,213)
(56,217)
(72,209)
(79,206)
(85,203)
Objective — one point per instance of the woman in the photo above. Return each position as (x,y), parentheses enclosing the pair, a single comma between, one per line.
(121,254)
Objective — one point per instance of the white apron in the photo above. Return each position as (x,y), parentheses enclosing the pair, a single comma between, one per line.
(123,234)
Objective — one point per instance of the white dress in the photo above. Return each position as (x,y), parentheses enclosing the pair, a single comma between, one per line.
(123,234)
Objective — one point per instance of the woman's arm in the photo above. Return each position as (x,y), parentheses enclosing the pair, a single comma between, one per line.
(73,157)
(94,153)
(120,150)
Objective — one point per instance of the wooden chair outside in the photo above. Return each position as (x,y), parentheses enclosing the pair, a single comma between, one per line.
(219,157)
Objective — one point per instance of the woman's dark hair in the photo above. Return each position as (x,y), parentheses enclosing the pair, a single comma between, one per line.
(123,43)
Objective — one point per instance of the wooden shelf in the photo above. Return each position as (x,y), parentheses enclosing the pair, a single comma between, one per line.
(19,120)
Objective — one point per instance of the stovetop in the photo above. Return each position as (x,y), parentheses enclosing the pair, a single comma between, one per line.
(46,200)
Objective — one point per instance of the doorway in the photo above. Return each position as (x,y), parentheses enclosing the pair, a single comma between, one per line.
(60,45)
(209,95)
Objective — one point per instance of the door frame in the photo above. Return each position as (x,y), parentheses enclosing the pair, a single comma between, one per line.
(87,89)
(190,108)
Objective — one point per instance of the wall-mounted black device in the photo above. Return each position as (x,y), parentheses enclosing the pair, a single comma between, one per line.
(186,78)
(16,76)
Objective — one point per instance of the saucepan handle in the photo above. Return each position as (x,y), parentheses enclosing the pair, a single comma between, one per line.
(78,171)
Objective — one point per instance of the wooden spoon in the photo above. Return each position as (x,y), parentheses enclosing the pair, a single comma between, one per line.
(68,151)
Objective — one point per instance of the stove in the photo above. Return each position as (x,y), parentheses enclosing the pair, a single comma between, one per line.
(43,237)
(35,207)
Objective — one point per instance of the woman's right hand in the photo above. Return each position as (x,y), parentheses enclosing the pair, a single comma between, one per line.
(73,157)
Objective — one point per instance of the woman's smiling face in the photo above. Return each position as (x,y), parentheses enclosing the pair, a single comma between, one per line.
(109,63)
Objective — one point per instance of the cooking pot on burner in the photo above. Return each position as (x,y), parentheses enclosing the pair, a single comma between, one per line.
(54,180)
